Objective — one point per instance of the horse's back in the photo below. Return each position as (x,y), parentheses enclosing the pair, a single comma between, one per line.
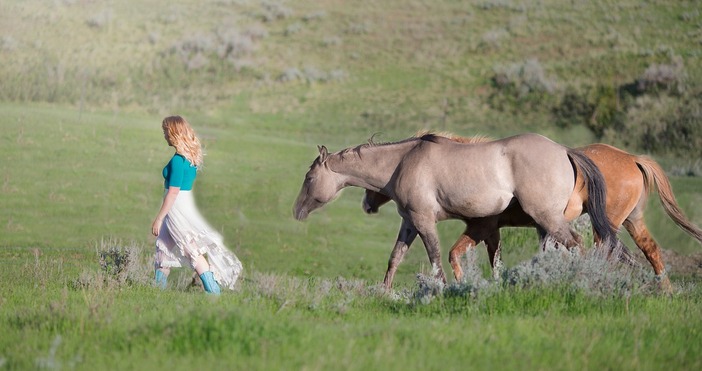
(520,160)
(486,177)
(623,179)
(619,168)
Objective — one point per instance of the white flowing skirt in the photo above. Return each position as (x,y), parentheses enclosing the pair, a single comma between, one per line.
(185,235)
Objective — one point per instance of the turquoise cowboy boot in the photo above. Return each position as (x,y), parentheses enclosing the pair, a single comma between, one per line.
(209,283)
(161,279)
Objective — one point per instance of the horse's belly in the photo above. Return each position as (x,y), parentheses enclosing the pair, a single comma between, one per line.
(479,205)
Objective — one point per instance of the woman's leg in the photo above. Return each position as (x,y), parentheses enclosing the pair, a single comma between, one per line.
(202,267)
(162,277)
(164,241)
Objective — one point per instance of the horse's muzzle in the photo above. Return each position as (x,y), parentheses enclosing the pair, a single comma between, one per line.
(368,209)
(300,213)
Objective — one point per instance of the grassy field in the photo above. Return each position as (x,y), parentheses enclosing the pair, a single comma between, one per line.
(85,85)
(75,188)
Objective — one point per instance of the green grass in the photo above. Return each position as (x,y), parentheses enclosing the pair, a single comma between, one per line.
(71,181)
(85,85)
(275,321)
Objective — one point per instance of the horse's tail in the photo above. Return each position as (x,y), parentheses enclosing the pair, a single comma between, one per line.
(654,175)
(596,199)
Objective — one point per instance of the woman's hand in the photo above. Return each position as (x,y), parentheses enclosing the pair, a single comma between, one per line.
(156,226)
(168,202)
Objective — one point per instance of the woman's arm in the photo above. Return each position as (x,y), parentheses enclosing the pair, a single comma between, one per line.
(168,202)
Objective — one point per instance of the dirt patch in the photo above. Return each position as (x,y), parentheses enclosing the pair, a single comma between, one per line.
(676,263)
(686,265)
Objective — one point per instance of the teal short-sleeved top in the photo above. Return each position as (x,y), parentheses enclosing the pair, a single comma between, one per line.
(179,172)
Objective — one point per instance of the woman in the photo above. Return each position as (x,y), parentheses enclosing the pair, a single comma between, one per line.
(183,235)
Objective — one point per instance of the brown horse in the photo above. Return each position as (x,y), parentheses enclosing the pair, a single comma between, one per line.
(432,178)
(629,180)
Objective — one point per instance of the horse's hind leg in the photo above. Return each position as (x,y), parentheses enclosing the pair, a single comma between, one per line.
(560,232)
(623,254)
(643,239)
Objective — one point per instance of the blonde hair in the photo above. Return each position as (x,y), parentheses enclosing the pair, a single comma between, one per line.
(182,136)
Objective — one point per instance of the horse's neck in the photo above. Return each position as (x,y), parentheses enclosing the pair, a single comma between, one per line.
(372,166)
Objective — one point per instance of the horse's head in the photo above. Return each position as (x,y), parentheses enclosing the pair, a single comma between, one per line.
(372,201)
(321,185)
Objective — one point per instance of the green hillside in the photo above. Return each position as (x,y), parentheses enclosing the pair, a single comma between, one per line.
(84,85)
(494,67)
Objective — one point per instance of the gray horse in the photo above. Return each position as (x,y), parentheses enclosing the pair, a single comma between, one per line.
(432,178)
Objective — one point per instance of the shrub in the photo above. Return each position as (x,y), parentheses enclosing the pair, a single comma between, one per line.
(100,20)
(119,265)
(331,41)
(8,43)
(493,39)
(524,78)
(656,112)
(233,44)
(428,287)
(194,47)
(667,125)
(293,29)
(225,44)
(609,110)
(314,16)
(358,28)
(311,74)
(690,168)
(290,74)
(274,10)
(592,272)
(501,4)
(472,281)
(653,121)
(574,108)
(668,77)
(520,86)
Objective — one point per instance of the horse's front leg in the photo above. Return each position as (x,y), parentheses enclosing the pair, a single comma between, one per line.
(494,249)
(459,249)
(430,237)
(405,238)
(482,229)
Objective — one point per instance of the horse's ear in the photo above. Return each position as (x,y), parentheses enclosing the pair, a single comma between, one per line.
(323,153)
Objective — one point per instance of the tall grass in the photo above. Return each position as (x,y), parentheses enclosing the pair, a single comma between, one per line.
(280,321)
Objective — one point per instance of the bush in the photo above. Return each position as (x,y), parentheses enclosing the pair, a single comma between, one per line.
(667,125)
(119,265)
(493,39)
(226,44)
(658,78)
(658,112)
(609,110)
(592,273)
(521,86)
(573,109)
(274,10)
(311,74)
(100,20)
